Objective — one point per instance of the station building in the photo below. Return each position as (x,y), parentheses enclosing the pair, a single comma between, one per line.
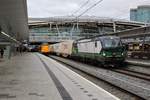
(56,29)
(140,14)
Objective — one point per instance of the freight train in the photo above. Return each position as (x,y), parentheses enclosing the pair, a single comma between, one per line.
(103,49)
(139,50)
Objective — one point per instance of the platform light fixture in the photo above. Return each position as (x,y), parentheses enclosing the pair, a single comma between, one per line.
(9,37)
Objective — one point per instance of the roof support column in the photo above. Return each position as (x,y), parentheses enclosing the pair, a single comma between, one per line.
(57,29)
(114,26)
(50,26)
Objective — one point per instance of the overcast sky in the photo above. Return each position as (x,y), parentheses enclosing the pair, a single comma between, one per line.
(107,8)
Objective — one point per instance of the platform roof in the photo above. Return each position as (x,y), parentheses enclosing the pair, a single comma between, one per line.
(14,19)
(84,19)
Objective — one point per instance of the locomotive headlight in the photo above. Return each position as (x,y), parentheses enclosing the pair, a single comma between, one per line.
(122,54)
(104,54)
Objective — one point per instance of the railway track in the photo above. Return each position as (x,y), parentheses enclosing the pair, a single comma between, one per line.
(138,89)
(135,74)
(137,63)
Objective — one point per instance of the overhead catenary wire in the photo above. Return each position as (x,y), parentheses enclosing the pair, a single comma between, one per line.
(82,6)
(95,4)
(89,8)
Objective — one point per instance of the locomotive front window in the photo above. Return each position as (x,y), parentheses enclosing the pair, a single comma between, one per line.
(110,42)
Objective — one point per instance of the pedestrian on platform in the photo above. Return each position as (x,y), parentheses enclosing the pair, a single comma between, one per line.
(2,52)
(20,49)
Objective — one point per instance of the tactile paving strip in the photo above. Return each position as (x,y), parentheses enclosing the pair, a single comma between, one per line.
(63,92)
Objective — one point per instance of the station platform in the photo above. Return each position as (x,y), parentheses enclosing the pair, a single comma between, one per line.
(138,62)
(33,76)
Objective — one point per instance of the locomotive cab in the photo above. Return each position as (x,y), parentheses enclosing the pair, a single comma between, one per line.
(45,49)
(113,51)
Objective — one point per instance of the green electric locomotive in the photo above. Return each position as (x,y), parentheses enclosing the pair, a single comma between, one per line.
(103,49)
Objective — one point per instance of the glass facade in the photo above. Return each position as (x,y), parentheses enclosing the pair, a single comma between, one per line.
(141,14)
(133,14)
(65,32)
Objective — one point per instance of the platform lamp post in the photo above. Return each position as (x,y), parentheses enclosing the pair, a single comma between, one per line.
(114,26)
(71,32)
(77,25)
